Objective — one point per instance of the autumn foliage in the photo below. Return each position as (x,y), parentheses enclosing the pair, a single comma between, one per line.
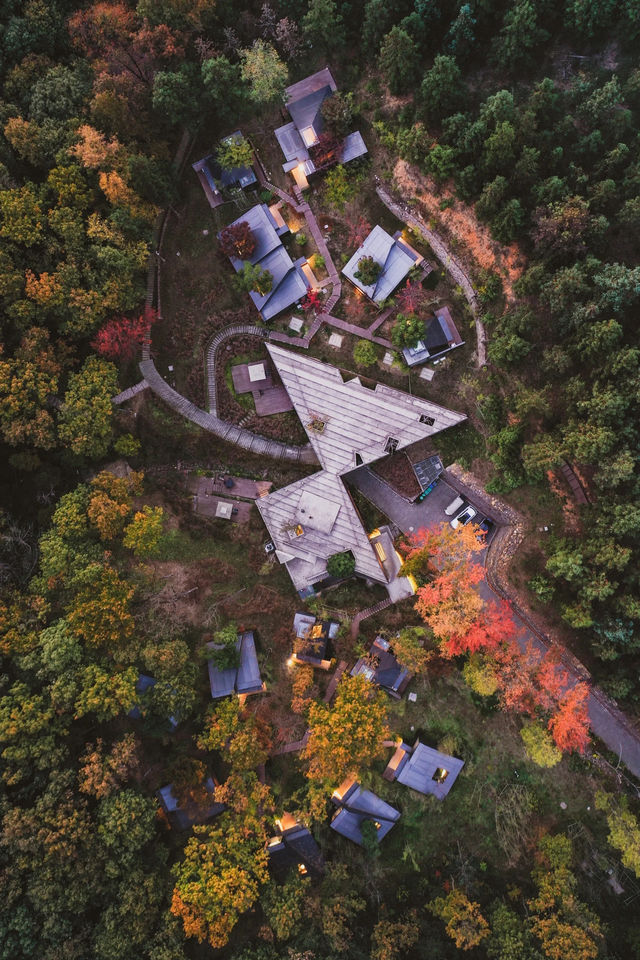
(121,337)
(237,240)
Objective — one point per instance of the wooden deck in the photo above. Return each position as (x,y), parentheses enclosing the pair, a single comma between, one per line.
(268,396)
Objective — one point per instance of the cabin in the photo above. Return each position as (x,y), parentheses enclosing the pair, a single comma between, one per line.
(290,281)
(440,336)
(312,638)
(185,814)
(394,258)
(357,806)
(245,678)
(215,180)
(380,666)
(423,769)
(293,847)
(298,138)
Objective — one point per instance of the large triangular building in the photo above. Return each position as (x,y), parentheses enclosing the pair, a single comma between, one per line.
(348,425)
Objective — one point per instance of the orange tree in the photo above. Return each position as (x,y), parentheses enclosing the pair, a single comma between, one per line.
(465,923)
(348,736)
(441,560)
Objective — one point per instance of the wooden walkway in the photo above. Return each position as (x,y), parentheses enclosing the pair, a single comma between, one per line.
(131,392)
(365,614)
(576,487)
(335,680)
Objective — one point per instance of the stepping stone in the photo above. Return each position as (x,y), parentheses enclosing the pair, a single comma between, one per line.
(296,324)
(427,373)
(387,360)
(412,697)
(335,340)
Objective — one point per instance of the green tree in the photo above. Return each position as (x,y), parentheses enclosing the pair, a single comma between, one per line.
(126,823)
(346,737)
(399,60)
(264,72)
(223,870)
(520,35)
(234,152)
(464,921)
(284,905)
(364,353)
(407,330)
(442,90)
(462,32)
(322,25)
(539,745)
(85,424)
(341,565)
(589,17)
(409,649)
(624,829)
(253,277)
(28,380)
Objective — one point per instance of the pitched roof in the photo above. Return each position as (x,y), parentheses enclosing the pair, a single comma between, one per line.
(313,637)
(315,517)
(185,816)
(420,766)
(355,806)
(242,679)
(440,336)
(316,81)
(395,258)
(294,846)
(388,673)
(306,111)
(289,281)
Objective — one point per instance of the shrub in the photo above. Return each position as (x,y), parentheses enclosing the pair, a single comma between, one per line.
(341,565)
(368,271)
(364,353)
(301,238)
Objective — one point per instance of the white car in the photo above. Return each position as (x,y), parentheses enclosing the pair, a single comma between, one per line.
(464,517)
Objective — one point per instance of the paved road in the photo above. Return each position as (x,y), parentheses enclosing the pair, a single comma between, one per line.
(609,724)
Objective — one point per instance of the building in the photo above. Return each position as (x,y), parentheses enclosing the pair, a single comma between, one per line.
(395,258)
(312,639)
(357,806)
(215,180)
(440,336)
(304,103)
(348,425)
(185,815)
(243,679)
(293,846)
(381,667)
(145,686)
(290,281)
(423,769)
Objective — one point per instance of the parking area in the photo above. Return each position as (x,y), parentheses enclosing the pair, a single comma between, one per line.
(411,517)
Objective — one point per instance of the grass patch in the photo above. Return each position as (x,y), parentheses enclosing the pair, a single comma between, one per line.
(462,444)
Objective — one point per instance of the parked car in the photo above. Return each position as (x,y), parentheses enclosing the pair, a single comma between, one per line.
(464,517)
(454,505)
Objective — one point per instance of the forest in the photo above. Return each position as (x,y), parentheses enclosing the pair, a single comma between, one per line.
(525,113)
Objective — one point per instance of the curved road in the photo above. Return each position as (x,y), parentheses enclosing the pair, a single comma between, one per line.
(607,722)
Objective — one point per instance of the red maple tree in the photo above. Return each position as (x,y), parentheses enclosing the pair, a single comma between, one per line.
(569,725)
(312,301)
(237,240)
(495,626)
(120,337)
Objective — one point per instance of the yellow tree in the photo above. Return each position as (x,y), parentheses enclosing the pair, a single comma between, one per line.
(347,737)
(220,877)
(143,533)
(464,921)
(624,829)
(99,612)
(111,500)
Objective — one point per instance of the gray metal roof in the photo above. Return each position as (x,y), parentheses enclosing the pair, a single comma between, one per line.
(306,112)
(395,258)
(356,420)
(322,78)
(243,679)
(289,281)
(291,143)
(353,147)
(419,770)
(185,817)
(356,807)
(440,336)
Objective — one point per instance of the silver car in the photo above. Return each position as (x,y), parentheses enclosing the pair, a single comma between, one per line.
(464,517)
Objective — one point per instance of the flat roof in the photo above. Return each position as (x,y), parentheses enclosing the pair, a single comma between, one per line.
(223,510)
(420,771)
(256,371)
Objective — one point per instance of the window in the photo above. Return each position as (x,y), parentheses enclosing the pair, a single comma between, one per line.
(359,460)
(302,870)
(380,551)
(308,135)
(428,420)
(391,445)
(440,775)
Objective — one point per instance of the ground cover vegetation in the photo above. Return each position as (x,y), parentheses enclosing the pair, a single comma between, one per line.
(106,573)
